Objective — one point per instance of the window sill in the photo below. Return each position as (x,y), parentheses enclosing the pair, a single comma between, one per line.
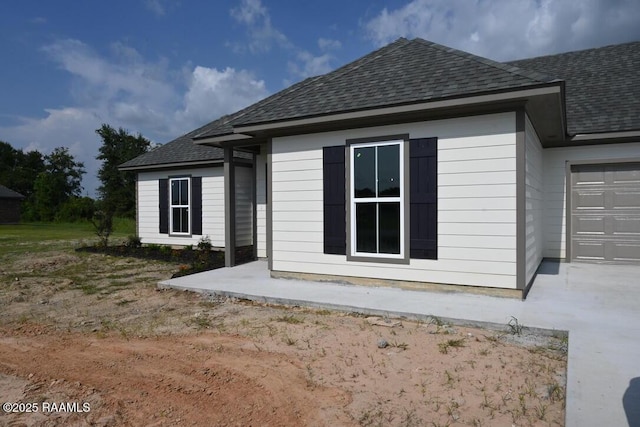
(377,259)
(180,235)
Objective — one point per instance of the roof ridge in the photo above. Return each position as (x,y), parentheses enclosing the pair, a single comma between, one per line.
(339,72)
(347,68)
(533,75)
(570,52)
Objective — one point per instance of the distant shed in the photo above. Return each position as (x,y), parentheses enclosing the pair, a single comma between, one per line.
(9,205)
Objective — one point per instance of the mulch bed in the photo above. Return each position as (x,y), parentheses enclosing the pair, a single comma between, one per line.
(191,260)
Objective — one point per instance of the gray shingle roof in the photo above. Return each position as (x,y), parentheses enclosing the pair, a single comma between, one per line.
(602,90)
(404,72)
(223,126)
(602,86)
(180,150)
(7,193)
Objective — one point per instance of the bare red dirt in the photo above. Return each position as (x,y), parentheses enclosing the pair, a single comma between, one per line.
(91,329)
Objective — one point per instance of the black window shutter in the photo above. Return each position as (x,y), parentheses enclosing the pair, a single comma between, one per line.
(333,172)
(196,205)
(163,192)
(423,154)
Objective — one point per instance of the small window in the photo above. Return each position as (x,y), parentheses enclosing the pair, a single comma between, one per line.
(179,206)
(377,209)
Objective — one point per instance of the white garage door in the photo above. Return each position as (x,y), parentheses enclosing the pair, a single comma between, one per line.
(605,213)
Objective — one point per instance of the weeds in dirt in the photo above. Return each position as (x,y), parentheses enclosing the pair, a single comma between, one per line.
(435,320)
(289,341)
(400,345)
(449,378)
(515,328)
(200,321)
(87,288)
(555,392)
(290,319)
(452,343)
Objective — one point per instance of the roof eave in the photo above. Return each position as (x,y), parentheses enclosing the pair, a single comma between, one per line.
(170,165)
(467,101)
(612,137)
(218,140)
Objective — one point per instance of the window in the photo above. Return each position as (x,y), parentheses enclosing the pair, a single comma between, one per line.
(179,205)
(377,199)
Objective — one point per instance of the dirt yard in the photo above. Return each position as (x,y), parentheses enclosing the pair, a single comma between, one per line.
(93,332)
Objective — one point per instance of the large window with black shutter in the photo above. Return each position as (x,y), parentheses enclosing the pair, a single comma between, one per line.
(377,224)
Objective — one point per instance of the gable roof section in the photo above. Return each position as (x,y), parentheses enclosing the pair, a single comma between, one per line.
(223,126)
(602,86)
(181,151)
(7,193)
(404,72)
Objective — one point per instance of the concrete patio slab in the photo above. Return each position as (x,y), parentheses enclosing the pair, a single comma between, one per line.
(598,304)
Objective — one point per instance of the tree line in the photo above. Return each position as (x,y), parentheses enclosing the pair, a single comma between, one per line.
(52,183)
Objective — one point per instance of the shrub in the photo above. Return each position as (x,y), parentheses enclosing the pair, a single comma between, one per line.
(103,224)
(133,242)
(204,244)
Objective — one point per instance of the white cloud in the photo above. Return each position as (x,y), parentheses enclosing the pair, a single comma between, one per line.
(262,34)
(505,29)
(123,89)
(308,65)
(38,20)
(155,6)
(329,44)
(213,93)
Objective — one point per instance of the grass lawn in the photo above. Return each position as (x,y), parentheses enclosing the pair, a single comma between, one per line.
(39,236)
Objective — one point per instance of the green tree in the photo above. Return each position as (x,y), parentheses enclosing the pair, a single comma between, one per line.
(118,189)
(60,181)
(18,170)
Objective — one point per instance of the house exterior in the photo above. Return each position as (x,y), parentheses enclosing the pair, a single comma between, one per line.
(10,202)
(419,164)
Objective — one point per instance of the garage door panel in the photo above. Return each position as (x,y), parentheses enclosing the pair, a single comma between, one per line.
(588,175)
(586,225)
(585,200)
(625,200)
(589,250)
(626,252)
(626,226)
(629,174)
(605,213)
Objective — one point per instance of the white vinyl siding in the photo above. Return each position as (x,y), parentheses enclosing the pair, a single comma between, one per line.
(244,206)
(555,204)
(261,202)
(212,207)
(534,230)
(476,204)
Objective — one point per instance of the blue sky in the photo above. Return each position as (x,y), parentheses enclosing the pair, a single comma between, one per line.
(164,67)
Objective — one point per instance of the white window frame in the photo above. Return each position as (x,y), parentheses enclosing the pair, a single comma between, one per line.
(187,206)
(353,201)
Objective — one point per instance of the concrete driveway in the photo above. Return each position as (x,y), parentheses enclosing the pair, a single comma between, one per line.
(598,304)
